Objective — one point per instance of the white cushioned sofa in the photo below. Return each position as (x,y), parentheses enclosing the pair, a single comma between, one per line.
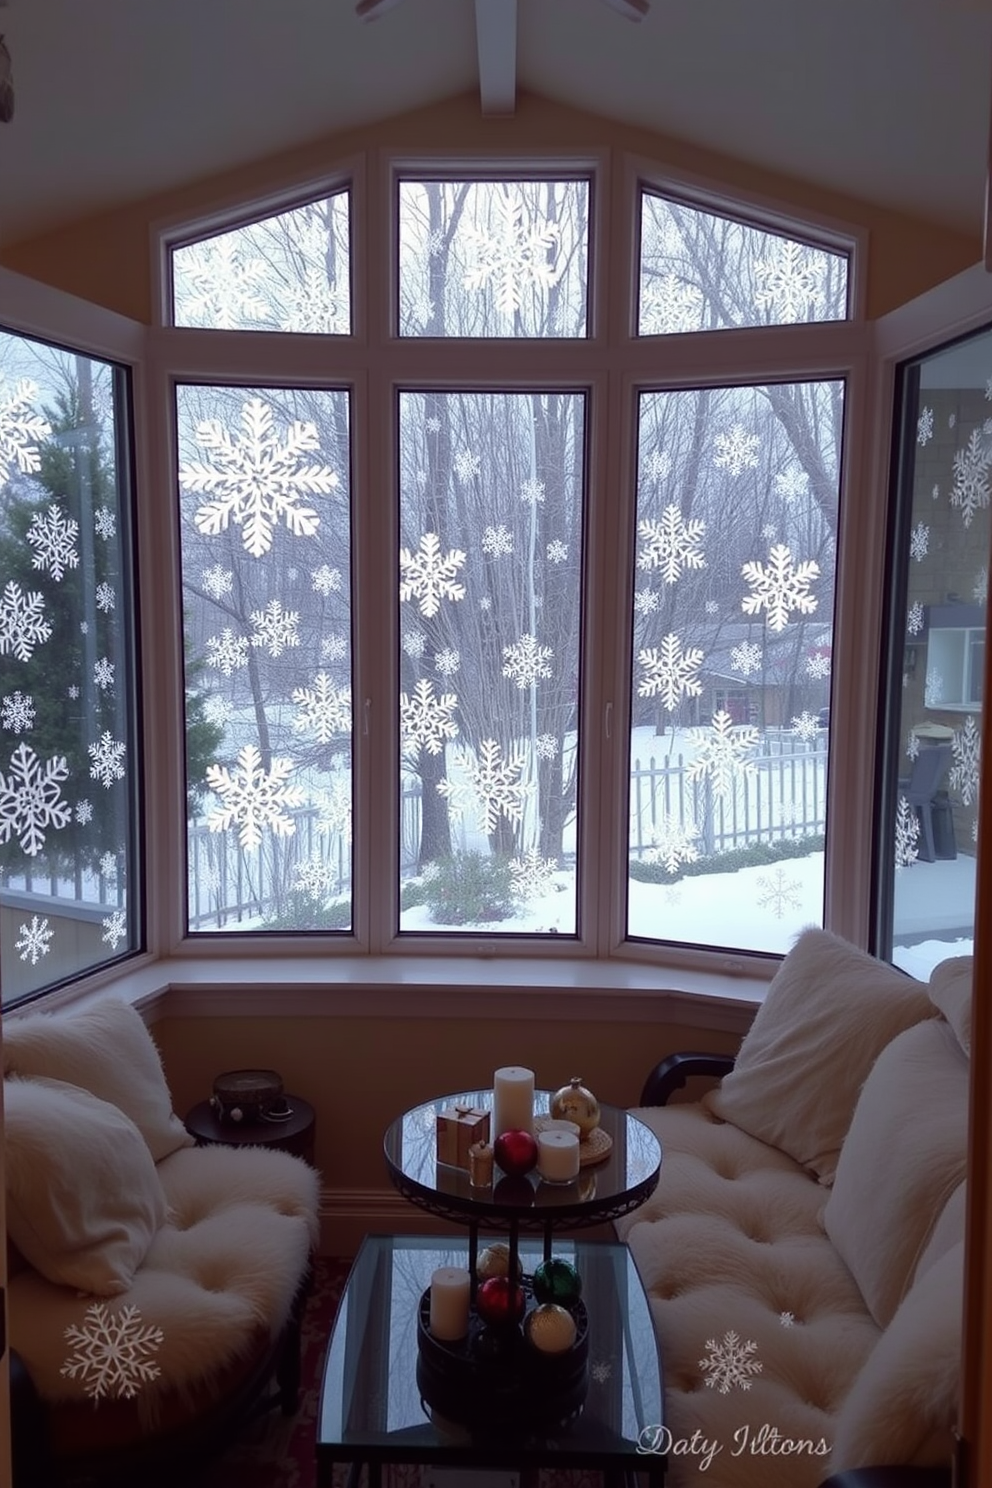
(803,1251)
(155,1286)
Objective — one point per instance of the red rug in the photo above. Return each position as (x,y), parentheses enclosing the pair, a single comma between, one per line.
(278,1452)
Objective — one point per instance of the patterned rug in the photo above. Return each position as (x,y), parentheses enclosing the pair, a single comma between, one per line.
(278,1452)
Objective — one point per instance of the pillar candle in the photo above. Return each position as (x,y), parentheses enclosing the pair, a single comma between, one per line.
(513,1100)
(558,1156)
(450,1290)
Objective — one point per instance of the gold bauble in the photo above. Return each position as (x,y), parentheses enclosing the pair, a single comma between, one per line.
(573,1102)
(550,1328)
(495,1261)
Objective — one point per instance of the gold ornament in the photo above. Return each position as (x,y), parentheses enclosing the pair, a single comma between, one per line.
(574,1103)
(550,1328)
(495,1261)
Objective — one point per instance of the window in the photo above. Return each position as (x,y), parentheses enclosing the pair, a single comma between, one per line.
(70,894)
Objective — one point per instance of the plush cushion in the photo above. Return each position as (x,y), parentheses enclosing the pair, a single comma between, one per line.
(108,1050)
(904,1156)
(950,991)
(903,1404)
(84,1200)
(947,1232)
(828,1013)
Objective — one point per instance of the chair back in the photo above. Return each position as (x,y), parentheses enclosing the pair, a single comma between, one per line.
(929,769)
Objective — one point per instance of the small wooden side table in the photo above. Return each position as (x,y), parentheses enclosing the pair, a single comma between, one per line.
(294,1135)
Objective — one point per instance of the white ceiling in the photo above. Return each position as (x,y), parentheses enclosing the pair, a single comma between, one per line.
(887,100)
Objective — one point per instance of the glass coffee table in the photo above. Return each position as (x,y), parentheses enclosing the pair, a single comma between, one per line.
(371,1406)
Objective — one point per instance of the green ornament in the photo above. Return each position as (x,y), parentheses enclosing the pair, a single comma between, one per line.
(557,1280)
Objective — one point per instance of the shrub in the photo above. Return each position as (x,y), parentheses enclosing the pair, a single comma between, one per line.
(470,889)
(755,856)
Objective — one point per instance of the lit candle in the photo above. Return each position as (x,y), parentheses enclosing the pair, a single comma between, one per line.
(513,1100)
(450,1289)
(558,1156)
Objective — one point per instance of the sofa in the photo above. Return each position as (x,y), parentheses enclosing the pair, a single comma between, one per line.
(803,1251)
(155,1287)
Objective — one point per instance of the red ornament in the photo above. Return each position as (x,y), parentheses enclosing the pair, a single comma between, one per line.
(498,1303)
(515,1152)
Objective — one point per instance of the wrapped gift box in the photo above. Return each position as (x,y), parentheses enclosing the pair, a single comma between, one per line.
(458,1129)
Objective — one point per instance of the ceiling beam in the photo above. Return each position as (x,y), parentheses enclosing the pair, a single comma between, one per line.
(496,39)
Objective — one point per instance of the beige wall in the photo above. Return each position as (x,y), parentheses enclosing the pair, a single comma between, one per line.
(106,258)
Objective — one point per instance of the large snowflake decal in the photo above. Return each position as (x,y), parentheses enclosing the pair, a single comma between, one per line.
(428,576)
(314,306)
(779,893)
(253,797)
(791,283)
(971,487)
(275,628)
(34,941)
(493,785)
(17,713)
(22,621)
(966,748)
(721,757)
(670,305)
(513,255)
(671,544)
(219,287)
(525,662)
(670,672)
(779,588)
(112,1352)
(227,651)
(323,708)
(729,1363)
(20,431)
(531,876)
(53,538)
(673,842)
(737,450)
(31,799)
(746,658)
(107,757)
(255,480)
(907,834)
(425,718)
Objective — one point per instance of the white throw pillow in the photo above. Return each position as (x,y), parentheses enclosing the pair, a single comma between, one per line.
(84,1200)
(107,1050)
(827,1015)
(902,1406)
(950,991)
(906,1153)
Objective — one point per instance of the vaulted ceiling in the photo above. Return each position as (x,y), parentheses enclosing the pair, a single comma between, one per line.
(886,100)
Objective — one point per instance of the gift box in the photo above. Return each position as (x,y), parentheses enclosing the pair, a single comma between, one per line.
(458,1129)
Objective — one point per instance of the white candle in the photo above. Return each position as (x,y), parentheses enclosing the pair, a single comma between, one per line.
(558,1156)
(513,1100)
(450,1289)
(569,1126)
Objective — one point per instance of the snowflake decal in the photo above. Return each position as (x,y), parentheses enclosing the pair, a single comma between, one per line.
(671,544)
(448,661)
(334,809)
(737,450)
(30,799)
(791,283)
(722,754)
(907,834)
(546,746)
(818,665)
(114,929)
(326,580)
(84,813)
(971,487)
(914,618)
(467,465)
(787,1319)
(253,797)
(497,541)
(980,589)
(429,577)
(112,1352)
(658,465)
(532,492)
(219,287)
(107,760)
(912,746)
(512,256)
(333,648)
(35,940)
(924,427)
(966,748)
(103,674)
(227,651)
(669,306)
(20,431)
(414,644)
(792,484)
(646,601)
(670,672)
(217,581)
(17,713)
(557,551)
(531,875)
(275,628)
(919,542)
(104,523)
(105,598)
(779,893)
(108,866)
(493,786)
(779,588)
(806,726)
(746,658)
(314,306)
(729,1363)
(601,1369)
(53,538)
(425,719)
(314,877)
(933,688)
(22,622)
(672,843)
(255,480)
(323,708)
(526,662)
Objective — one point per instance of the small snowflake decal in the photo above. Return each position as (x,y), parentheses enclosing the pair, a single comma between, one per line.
(818,665)
(227,651)
(448,661)
(326,580)
(114,928)
(22,621)
(532,492)
(672,545)
(787,1319)
(107,760)
(103,674)
(779,588)
(673,842)
(83,813)
(105,598)
(806,726)
(467,465)
(497,541)
(493,786)
(924,427)
(737,450)
(217,581)
(670,672)
(34,941)
(104,523)
(425,718)
(746,658)
(333,648)
(253,797)
(31,799)
(907,834)
(429,577)
(546,746)
(275,628)
(601,1369)
(721,757)
(112,1352)
(658,465)
(17,713)
(919,542)
(980,589)
(779,893)
(526,662)
(53,538)
(322,709)
(670,305)
(414,644)
(729,1363)
(531,875)
(557,551)
(914,618)
(792,483)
